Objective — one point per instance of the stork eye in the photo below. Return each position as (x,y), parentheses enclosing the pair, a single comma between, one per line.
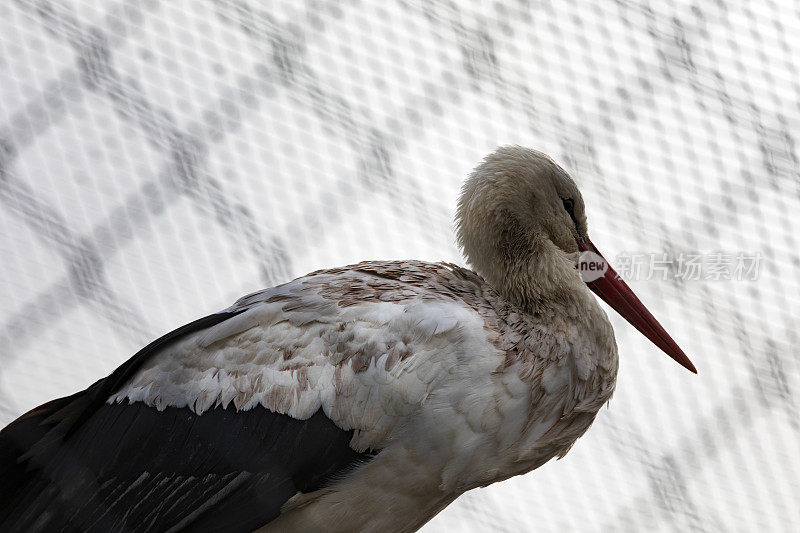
(569,205)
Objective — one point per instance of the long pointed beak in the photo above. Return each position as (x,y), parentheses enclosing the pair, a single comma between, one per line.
(621,298)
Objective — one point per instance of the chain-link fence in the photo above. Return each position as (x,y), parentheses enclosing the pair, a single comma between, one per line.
(160,159)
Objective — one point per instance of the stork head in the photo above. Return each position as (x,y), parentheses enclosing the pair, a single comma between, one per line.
(522,224)
(514,199)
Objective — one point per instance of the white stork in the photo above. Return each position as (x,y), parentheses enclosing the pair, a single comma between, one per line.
(361,398)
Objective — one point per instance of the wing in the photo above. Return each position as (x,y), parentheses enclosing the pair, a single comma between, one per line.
(82,464)
(216,425)
(134,468)
(366,345)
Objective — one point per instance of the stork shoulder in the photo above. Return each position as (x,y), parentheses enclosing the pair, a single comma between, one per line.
(367,344)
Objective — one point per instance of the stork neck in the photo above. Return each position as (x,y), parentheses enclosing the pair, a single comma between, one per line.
(540,280)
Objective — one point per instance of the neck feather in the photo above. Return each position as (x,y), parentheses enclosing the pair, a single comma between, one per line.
(539,279)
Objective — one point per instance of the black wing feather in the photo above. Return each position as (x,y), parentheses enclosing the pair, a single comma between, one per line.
(80,464)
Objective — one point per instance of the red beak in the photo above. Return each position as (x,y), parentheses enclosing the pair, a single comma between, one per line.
(621,298)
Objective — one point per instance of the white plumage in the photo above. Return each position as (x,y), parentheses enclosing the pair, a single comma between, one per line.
(445,380)
(410,356)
